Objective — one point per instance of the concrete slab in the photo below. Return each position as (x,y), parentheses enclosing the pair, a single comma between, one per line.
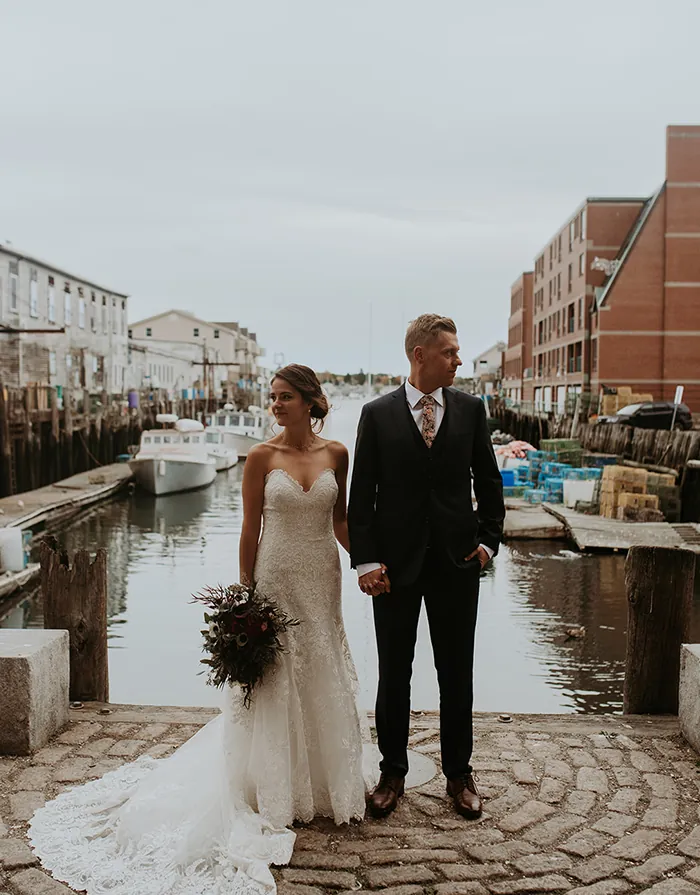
(689,694)
(34,671)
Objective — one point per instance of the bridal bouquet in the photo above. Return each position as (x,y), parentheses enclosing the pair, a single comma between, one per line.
(242,635)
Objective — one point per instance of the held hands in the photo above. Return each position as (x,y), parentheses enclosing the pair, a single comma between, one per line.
(481,553)
(375,583)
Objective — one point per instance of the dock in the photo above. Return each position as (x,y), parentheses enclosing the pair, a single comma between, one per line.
(63,498)
(599,533)
(532,523)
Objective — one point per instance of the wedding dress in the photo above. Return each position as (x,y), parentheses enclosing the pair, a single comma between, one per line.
(211,818)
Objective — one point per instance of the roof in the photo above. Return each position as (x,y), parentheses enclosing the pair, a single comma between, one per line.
(498,346)
(32,259)
(629,242)
(590,200)
(188,314)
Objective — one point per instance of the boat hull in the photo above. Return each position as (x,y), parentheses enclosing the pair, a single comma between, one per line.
(241,443)
(167,475)
(224,459)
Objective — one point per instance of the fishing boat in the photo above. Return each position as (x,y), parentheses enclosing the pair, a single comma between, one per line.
(223,455)
(241,429)
(174,458)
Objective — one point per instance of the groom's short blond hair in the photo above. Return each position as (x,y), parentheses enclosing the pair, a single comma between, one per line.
(424,329)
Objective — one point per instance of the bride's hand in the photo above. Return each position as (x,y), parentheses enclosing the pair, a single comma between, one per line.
(375,582)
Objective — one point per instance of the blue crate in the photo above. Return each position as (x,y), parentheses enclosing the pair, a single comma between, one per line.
(535,495)
(508,477)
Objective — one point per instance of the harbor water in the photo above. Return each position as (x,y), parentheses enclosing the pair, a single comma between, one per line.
(162,550)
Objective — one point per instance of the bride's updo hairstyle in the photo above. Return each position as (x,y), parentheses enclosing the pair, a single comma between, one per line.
(305,381)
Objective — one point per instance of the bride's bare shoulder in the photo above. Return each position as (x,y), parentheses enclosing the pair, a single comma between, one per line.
(337,450)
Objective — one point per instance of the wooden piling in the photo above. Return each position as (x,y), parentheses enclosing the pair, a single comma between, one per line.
(75,599)
(659,585)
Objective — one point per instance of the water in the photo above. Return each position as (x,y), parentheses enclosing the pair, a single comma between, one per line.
(162,550)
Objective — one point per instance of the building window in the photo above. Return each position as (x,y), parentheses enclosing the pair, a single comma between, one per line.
(114,316)
(93,312)
(571,235)
(582,226)
(131,334)
(582,264)
(216,333)
(571,320)
(14,280)
(149,332)
(558,286)
(571,277)
(559,249)
(580,313)
(81,313)
(52,363)
(105,317)
(52,302)
(594,355)
(196,332)
(33,293)
(67,310)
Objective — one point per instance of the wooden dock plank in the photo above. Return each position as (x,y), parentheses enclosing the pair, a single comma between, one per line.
(598,533)
(32,507)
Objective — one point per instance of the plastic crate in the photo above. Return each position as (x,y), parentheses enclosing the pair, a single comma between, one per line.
(535,495)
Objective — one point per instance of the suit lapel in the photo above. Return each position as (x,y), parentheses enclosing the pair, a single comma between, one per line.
(448,412)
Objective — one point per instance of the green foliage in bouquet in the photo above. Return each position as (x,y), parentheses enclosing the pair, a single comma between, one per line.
(242,635)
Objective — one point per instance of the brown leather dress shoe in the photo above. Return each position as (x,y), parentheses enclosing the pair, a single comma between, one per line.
(465,796)
(386,795)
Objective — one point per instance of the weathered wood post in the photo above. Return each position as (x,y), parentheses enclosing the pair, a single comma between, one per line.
(75,600)
(5,446)
(659,584)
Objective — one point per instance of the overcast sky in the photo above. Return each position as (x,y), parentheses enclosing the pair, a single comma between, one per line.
(290,164)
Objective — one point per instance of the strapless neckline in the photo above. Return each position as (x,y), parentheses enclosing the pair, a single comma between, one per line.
(298,483)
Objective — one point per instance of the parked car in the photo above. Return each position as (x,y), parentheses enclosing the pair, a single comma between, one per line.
(651,415)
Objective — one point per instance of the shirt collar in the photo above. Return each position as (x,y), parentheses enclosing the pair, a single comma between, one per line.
(413,395)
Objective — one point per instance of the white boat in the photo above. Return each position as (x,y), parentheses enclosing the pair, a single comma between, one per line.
(242,430)
(224,456)
(174,458)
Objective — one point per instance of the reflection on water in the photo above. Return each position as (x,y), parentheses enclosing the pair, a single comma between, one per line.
(161,550)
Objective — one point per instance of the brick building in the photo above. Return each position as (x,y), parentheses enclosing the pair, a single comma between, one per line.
(517,368)
(616,294)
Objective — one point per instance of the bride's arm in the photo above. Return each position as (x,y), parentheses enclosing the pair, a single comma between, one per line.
(253,489)
(340,511)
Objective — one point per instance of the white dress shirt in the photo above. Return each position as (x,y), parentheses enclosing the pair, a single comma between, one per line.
(413,396)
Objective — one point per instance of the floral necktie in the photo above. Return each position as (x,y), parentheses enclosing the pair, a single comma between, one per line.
(427,402)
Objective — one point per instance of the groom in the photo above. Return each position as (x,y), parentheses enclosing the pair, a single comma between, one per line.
(414,535)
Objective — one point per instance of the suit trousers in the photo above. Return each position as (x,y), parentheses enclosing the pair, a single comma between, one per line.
(451,599)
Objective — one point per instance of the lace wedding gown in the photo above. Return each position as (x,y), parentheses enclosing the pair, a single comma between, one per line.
(211,818)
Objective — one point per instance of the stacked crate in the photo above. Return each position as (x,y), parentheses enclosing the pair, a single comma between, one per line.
(565,450)
(620,484)
(624,396)
(664,487)
(623,490)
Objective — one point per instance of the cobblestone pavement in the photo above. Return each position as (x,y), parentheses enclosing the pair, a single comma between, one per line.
(580,804)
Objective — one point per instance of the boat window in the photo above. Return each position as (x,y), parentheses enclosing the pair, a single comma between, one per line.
(235,419)
(249,421)
(211,438)
(186,439)
(195,439)
(156,439)
(166,439)
(221,419)
(147,440)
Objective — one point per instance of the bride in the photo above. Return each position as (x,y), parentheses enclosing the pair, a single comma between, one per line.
(214,816)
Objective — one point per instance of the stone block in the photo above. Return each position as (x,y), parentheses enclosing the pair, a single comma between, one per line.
(34,673)
(689,694)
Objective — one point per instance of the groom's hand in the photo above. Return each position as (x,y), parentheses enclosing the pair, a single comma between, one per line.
(481,553)
(375,583)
